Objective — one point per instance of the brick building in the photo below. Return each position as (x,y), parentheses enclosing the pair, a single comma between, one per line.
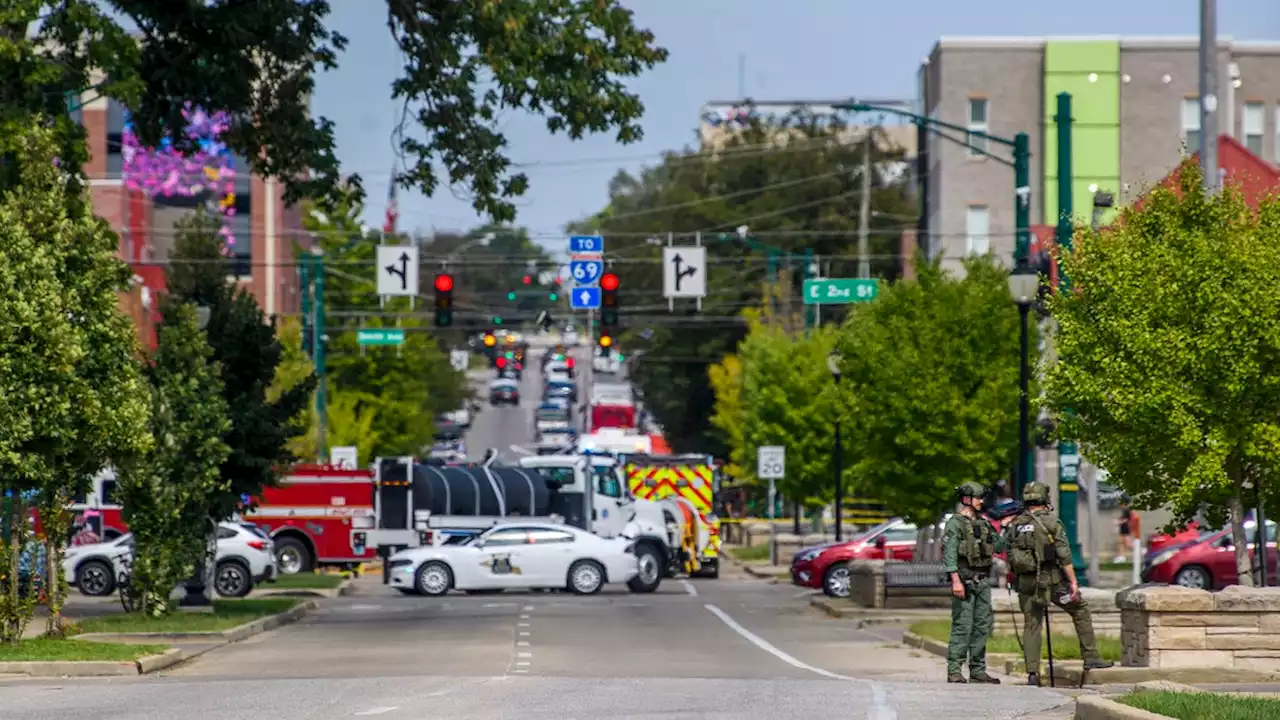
(1136,110)
(265,228)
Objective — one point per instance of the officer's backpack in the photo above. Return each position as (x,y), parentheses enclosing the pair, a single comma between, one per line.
(1032,545)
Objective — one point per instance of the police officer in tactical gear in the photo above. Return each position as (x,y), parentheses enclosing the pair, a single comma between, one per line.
(968,544)
(1041,558)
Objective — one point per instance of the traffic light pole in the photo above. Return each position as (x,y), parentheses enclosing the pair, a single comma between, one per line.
(589,371)
(318,358)
(1068,451)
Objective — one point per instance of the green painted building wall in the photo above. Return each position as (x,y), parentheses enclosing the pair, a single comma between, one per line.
(1090,71)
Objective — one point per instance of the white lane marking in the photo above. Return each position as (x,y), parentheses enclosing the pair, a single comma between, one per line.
(523,663)
(527,608)
(524,617)
(520,451)
(880,708)
(521,670)
(524,634)
(376,711)
(522,624)
(522,643)
(689,588)
(498,605)
(365,608)
(524,655)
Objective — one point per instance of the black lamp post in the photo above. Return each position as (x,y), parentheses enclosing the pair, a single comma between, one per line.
(195,590)
(833,364)
(1024,284)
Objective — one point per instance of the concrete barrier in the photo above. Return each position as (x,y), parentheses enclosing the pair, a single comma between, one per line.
(1175,627)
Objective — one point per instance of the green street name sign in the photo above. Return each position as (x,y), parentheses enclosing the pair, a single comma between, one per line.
(379,336)
(839,291)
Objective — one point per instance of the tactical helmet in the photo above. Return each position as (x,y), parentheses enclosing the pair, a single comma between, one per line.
(971,490)
(1035,492)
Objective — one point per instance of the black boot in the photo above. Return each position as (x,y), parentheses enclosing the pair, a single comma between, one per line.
(956,678)
(1033,680)
(984,678)
(1098,664)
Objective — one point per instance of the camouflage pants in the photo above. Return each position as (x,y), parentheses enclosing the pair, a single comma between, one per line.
(1034,600)
(970,627)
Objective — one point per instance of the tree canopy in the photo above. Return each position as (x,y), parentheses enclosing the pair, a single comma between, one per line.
(1168,367)
(930,381)
(795,185)
(465,63)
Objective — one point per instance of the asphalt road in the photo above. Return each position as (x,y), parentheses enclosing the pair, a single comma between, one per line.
(728,648)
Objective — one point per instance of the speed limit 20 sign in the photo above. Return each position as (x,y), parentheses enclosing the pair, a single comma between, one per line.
(771,462)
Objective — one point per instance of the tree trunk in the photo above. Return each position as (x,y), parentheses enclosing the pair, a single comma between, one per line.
(1244,568)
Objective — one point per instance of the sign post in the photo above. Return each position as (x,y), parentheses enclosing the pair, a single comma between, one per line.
(380,336)
(771,465)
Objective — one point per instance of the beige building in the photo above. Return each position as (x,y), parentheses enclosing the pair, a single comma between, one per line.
(1135,108)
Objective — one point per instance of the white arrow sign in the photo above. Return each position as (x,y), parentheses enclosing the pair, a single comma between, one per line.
(398,270)
(684,272)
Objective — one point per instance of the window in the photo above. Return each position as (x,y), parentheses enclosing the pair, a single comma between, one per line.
(506,537)
(901,533)
(115,139)
(1254,120)
(978,123)
(544,536)
(226,533)
(977,230)
(607,481)
(108,498)
(1191,124)
(556,477)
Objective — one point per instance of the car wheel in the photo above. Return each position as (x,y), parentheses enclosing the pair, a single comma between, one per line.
(586,577)
(835,582)
(292,556)
(650,564)
(433,579)
(1194,576)
(231,579)
(95,578)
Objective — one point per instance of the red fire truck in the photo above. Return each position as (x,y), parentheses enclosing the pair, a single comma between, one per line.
(309,516)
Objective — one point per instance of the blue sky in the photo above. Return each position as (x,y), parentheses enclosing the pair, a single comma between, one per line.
(792,48)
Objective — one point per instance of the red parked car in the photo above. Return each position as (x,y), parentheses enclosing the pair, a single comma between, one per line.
(1207,562)
(1160,541)
(826,567)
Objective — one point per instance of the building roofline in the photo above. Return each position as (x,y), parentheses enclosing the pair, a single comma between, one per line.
(997,42)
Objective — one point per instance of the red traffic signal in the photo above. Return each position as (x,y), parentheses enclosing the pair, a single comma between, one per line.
(609,282)
(500,362)
(569,363)
(528,280)
(444,283)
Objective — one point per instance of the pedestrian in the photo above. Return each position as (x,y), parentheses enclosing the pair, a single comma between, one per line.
(1128,527)
(968,545)
(1041,558)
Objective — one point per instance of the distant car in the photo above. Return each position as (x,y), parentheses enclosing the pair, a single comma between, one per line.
(570,336)
(826,567)
(244,557)
(504,392)
(561,388)
(556,439)
(516,557)
(1207,562)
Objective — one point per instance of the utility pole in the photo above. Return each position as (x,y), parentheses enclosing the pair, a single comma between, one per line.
(864,212)
(318,356)
(1209,94)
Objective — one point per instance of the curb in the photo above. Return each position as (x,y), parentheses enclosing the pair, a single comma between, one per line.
(866,617)
(216,637)
(1096,707)
(939,648)
(94,668)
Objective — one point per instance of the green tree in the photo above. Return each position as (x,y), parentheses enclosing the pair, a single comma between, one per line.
(795,184)
(728,418)
(397,390)
(1169,352)
(294,369)
(246,348)
(930,385)
(73,398)
(465,63)
(168,497)
(788,399)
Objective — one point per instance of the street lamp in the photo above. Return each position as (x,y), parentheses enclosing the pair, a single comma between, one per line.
(833,365)
(1024,284)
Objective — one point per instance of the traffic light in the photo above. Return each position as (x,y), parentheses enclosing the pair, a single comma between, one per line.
(528,280)
(606,338)
(490,340)
(500,362)
(497,320)
(511,295)
(609,300)
(444,300)
(552,296)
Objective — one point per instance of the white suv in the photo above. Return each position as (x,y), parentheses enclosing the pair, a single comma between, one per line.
(245,557)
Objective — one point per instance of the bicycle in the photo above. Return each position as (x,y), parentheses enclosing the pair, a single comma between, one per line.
(128,600)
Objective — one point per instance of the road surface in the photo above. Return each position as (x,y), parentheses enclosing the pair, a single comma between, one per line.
(735,647)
